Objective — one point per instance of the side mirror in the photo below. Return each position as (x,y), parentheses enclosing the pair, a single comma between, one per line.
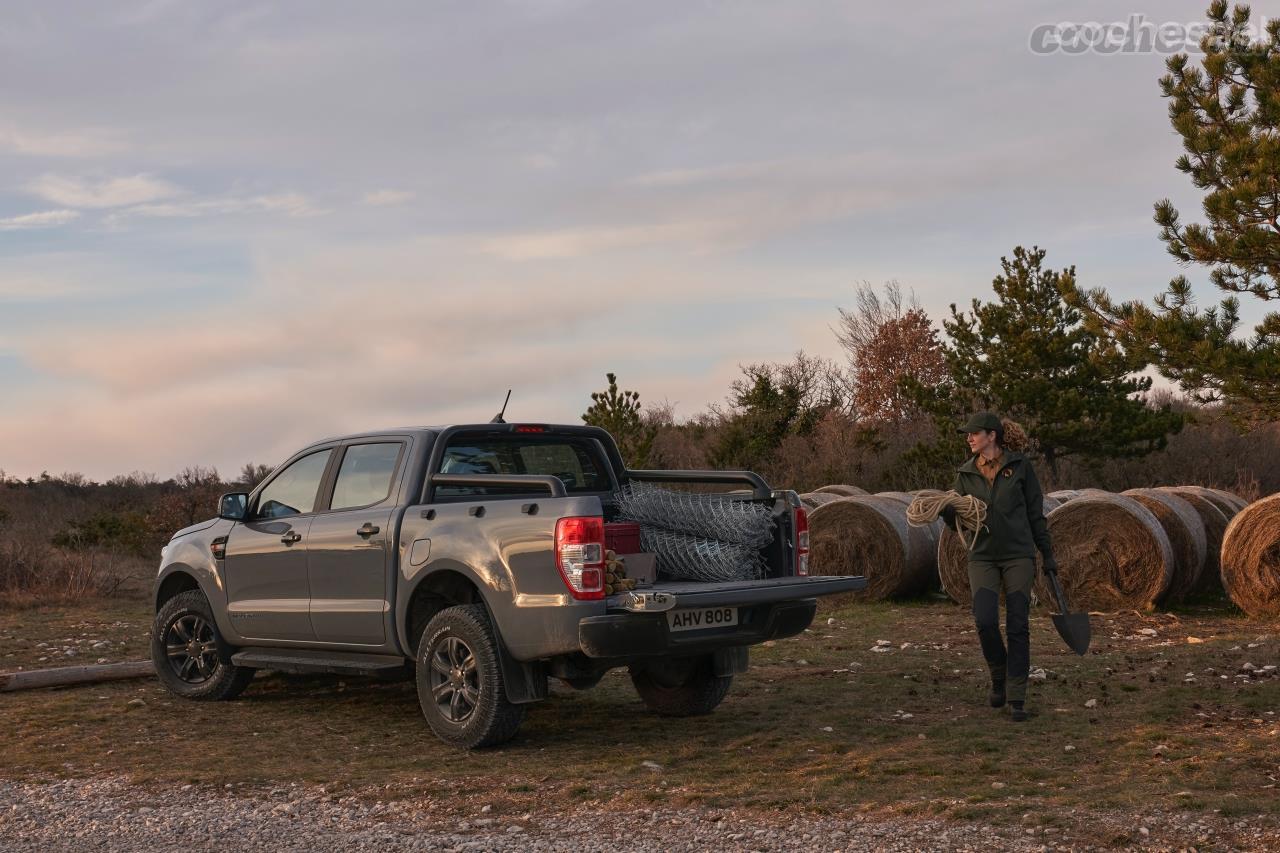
(233,506)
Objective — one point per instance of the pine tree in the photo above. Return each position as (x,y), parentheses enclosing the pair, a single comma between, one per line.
(619,413)
(1029,356)
(1228,115)
(770,403)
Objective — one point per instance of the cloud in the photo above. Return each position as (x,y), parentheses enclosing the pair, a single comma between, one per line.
(81,192)
(288,204)
(381,198)
(43,219)
(69,144)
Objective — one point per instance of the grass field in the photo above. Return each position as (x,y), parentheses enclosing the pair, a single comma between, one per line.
(1158,716)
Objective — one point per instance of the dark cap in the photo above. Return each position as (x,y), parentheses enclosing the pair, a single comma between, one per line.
(980,421)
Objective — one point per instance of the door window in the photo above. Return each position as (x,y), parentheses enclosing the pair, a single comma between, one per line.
(294,490)
(366,475)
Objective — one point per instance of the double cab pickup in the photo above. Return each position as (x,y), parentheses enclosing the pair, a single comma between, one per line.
(471,559)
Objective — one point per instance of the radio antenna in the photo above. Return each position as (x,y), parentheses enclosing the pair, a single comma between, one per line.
(497,419)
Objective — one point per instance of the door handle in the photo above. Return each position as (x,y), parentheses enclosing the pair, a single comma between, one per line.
(368,529)
(291,537)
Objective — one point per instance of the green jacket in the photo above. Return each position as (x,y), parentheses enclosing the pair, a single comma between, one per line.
(1015,524)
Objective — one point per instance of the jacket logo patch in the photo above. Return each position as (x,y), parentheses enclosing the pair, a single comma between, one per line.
(1008,473)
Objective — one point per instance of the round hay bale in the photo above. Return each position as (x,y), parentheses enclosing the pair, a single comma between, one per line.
(905,497)
(1227,505)
(1251,558)
(1215,525)
(919,492)
(842,491)
(868,535)
(1112,554)
(1050,504)
(813,500)
(953,561)
(1063,495)
(1185,529)
(1234,502)
(1239,502)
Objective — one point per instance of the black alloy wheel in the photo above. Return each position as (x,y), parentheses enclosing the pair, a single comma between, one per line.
(454,679)
(191,649)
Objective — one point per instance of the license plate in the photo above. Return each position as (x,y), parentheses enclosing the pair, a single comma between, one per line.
(702,617)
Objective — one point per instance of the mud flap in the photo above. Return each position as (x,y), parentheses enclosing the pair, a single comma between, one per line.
(524,682)
(726,662)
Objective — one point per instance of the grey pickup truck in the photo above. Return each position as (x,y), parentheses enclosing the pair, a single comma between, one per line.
(472,559)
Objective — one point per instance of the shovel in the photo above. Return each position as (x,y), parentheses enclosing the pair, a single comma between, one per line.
(1074,627)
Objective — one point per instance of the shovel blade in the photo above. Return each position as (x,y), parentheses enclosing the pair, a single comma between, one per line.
(1074,628)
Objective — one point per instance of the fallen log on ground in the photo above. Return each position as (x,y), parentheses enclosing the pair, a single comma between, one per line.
(64,676)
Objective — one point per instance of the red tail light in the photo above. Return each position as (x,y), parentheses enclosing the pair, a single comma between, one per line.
(530,428)
(580,555)
(802,541)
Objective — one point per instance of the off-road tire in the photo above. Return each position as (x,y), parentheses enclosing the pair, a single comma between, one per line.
(460,684)
(190,656)
(670,692)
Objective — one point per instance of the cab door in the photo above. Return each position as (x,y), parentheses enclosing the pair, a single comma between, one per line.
(268,594)
(348,559)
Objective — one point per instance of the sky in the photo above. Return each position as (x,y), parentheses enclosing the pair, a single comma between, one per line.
(229,229)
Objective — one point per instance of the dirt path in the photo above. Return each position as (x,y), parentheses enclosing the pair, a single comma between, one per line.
(113,815)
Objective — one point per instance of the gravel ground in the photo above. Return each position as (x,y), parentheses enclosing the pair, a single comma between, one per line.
(113,815)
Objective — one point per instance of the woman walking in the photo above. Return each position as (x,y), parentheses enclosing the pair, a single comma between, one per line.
(1003,556)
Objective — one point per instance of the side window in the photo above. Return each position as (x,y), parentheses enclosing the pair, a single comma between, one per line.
(294,490)
(366,474)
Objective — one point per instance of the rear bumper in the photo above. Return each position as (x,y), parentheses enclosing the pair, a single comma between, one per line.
(639,635)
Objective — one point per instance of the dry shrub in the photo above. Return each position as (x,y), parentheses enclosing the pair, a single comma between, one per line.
(1112,553)
(1251,558)
(32,574)
(869,536)
(1183,526)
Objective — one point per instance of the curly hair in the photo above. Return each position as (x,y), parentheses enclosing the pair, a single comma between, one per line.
(1013,436)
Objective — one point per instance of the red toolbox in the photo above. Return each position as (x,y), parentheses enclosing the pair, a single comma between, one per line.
(622,537)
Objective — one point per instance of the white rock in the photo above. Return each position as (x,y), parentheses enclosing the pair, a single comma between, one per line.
(831,620)
(828,729)
(1068,748)
(1092,703)
(651,766)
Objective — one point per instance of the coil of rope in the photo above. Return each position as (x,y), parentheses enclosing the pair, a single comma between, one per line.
(971,512)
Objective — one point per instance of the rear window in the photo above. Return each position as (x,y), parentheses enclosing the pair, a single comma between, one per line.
(575,462)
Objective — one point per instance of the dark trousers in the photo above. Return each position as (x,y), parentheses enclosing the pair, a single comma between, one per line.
(987,578)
